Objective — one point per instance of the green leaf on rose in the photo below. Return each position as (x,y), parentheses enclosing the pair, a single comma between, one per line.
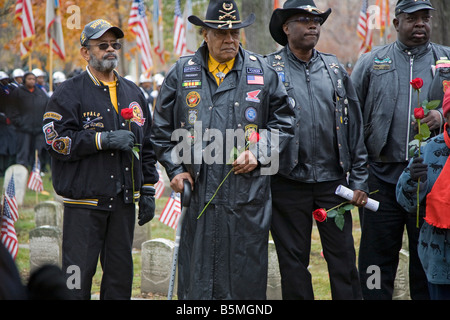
(332,213)
(135,151)
(433,104)
(340,221)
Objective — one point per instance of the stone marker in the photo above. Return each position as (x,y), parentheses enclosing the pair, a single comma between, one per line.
(141,233)
(48,213)
(156,265)
(273,276)
(20,181)
(401,283)
(45,246)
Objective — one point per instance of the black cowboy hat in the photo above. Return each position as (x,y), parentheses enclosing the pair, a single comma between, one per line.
(290,8)
(222,15)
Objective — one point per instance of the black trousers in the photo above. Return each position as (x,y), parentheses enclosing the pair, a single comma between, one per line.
(381,242)
(293,204)
(88,234)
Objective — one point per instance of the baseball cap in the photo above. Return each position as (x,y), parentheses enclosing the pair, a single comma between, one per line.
(97,28)
(410,6)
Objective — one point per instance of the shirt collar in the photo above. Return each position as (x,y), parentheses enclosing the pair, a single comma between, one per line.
(213,64)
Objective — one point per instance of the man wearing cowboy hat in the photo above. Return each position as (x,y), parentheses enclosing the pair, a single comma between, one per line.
(327,147)
(382,81)
(222,91)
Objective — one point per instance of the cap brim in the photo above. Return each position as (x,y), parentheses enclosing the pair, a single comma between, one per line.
(279,17)
(415,8)
(199,22)
(117,31)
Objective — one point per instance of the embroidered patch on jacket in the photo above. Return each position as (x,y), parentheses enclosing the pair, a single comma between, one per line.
(62,145)
(253,79)
(138,117)
(52,115)
(193,99)
(50,132)
(253,96)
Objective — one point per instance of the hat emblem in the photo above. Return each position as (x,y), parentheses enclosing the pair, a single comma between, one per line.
(227,7)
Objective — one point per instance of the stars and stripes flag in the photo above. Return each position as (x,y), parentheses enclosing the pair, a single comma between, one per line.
(9,216)
(53,27)
(385,18)
(35,181)
(191,32)
(172,211)
(139,27)
(363,30)
(24,13)
(179,38)
(159,186)
(158,38)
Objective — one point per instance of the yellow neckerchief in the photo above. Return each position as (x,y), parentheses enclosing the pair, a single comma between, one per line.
(216,67)
(113,93)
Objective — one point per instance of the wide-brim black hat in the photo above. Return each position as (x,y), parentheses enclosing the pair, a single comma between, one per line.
(222,15)
(290,8)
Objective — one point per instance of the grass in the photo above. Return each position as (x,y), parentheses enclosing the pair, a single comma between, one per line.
(25,224)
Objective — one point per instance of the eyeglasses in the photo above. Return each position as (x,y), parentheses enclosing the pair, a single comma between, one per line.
(307,20)
(104,46)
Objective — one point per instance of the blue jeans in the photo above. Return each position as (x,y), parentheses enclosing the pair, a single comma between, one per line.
(381,241)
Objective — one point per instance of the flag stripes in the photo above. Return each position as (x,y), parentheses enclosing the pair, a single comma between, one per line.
(179,40)
(172,211)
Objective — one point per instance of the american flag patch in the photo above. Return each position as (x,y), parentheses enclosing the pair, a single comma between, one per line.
(253,79)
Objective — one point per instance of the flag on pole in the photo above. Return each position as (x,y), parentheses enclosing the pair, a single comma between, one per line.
(53,28)
(172,211)
(363,30)
(276,4)
(159,186)
(158,38)
(179,38)
(191,34)
(139,27)
(385,18)
(35,181)
(24,13)
(9,217)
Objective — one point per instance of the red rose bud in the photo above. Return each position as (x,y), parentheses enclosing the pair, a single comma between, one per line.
(320,215)
(417,83)
(419,113)
(127,113)
(254,137)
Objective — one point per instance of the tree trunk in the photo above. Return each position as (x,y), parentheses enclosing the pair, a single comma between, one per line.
(257,36)
(441,17)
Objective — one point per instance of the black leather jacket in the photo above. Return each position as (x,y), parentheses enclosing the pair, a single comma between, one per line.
(328,142)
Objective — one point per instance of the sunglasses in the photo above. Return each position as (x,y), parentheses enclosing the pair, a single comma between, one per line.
(307,20)
(104,46)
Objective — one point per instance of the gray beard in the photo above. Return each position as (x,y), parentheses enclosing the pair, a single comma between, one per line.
(103,65)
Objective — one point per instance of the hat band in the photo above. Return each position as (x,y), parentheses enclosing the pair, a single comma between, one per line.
(222,24)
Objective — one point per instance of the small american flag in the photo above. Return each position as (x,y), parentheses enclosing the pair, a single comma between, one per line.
(24,13)
(35,180)
(139,27)
(363,30)
(159,186)
(179,39)
(172,211)
(9,217)
(255,80)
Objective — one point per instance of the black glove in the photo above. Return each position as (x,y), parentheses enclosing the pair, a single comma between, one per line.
(118,140)
(146,205)
(418,170)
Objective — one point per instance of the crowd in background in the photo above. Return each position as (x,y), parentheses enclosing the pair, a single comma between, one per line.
(23,97)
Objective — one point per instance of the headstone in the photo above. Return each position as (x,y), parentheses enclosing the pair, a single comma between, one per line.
(401,283)
(45,246)
(20,181)
(48,213)
(156,260)
(141,233)
(273,276)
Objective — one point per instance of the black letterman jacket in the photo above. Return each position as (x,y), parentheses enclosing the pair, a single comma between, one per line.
(76,115)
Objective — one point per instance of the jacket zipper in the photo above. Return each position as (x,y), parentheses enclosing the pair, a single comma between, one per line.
(411,65)
(308,81)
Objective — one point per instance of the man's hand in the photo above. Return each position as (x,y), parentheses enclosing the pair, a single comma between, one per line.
(177,183)
(245,163)
(117,140)
(146,205)
(433,120)
(359,198)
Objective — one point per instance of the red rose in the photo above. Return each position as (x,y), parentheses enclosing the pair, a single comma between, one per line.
(417,83)
(419,113)
(127,113)
(254,137)
(320,215)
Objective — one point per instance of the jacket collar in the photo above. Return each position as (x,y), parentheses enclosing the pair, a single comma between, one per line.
(94,78)
(415,51)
